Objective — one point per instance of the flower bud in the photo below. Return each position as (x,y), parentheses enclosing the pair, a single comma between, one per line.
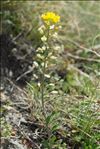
(44,38)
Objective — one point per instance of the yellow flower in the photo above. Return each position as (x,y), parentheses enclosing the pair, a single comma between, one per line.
(50,18)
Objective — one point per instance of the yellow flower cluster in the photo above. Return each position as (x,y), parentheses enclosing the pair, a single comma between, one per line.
(50,18)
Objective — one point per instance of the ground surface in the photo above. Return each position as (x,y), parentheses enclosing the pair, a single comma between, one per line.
(75,95)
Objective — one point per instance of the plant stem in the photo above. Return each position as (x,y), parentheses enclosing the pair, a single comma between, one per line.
(43,86)
(43,80)
(42,92)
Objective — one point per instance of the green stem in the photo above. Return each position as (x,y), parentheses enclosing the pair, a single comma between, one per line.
(43,87)
(42,92)
(43,81)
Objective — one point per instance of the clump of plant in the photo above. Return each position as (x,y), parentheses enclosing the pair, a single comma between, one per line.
(86,120)
(45,59)
(6,129)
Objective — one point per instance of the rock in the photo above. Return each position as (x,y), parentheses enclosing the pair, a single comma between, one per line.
(16,58)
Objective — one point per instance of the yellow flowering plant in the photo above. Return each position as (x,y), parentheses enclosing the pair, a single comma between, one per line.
(45,55)
(48,30)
